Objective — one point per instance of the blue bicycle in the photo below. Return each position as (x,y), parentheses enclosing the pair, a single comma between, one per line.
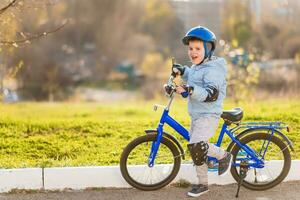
(152,161)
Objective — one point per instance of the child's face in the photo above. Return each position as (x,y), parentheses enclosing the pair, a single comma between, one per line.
(196,51)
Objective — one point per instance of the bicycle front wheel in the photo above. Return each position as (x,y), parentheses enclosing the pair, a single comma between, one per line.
(134,163)
(276,156)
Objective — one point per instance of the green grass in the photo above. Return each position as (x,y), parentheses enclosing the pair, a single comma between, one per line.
(83,134)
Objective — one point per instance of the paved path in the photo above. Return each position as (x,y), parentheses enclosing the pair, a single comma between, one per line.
(285,191)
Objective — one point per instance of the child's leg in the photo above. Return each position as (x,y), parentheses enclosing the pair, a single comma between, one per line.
(216,152)
(202,129)
(201,171)
(202,174)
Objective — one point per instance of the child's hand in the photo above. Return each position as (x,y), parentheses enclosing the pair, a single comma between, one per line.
(184,90)
(180,89)
(177,69)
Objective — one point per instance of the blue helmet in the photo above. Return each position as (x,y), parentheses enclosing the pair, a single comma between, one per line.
(204,34)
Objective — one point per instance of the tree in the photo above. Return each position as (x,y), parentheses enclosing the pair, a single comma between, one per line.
(160,22)
(237,23)
(99,36)
(12,37)
(243,73)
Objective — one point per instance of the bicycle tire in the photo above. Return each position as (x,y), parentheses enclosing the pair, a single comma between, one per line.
(286,161)
(135,143)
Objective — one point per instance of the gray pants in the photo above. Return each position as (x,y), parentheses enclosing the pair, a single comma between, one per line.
(202,129)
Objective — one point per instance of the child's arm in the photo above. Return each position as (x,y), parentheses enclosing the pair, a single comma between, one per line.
(213,79)
(185,75)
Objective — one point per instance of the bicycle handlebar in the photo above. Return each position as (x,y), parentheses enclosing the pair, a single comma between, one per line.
(170,87)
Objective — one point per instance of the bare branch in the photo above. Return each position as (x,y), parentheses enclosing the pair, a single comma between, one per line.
(34,37)
(12,3)
(26,7)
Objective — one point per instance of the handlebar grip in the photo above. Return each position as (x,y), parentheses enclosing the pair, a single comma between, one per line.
(168,89)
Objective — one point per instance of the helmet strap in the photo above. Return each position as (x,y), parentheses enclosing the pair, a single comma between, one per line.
(206,53)
(205,50)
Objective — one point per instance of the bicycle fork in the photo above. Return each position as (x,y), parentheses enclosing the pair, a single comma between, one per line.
(155,146)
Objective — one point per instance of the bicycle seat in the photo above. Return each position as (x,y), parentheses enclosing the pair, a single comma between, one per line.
(232,116)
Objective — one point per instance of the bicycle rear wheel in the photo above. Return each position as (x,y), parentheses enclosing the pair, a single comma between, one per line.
(134,163)
(277,161)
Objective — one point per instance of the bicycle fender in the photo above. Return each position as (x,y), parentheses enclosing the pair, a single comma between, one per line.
(170,137)
(249,130)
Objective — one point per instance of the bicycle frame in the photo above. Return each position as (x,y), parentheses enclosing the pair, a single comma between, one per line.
(167,119)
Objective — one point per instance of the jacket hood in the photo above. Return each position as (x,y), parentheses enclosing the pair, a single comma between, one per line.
(217,62)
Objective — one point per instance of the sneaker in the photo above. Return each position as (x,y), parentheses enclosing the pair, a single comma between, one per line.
(225,164)
(198,190)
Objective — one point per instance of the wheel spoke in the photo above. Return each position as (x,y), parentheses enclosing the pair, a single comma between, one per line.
(269,149)
(136,170)
(255,174)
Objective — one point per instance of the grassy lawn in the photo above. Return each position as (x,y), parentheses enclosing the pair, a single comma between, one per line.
(83,134)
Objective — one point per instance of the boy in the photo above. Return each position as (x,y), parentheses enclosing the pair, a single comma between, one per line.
(206,90)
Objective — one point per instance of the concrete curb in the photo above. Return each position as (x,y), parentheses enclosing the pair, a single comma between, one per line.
(104,176)
(28,178)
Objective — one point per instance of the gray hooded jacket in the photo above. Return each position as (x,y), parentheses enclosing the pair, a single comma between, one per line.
(211,73)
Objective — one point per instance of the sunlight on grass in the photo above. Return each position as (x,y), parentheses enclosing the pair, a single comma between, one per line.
(82,134)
